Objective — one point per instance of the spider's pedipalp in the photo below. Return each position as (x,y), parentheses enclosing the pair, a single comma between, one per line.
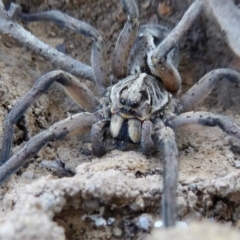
(167,72)
(226,124)
(97,133)
(205,85)
(98,57)
(167,143)
(125,40)
(148,38)
(159,60)
(147,144)
(80,93)
(82,122)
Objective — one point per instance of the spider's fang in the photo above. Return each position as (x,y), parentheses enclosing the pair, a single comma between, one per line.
(134,130)
(115,125)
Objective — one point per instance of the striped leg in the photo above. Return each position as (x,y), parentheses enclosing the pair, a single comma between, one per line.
(79,92)
(81,122)
(167,143)
(125,40)
(205,85)
(98,57)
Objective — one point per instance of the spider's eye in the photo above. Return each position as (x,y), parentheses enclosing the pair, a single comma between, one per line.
(134,104)
(122,101)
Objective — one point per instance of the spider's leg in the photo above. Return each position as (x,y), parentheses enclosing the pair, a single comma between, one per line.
(79,93)
(226,124)
(97,132)
(99,55)
(81,122)
(125,40)
(186,22)
(9,27)
(205,85)
(167,143)
(160,61)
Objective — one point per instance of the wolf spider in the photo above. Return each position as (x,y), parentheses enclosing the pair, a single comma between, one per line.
(140,107)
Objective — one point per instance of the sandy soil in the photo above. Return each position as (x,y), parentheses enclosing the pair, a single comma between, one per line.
(120,187)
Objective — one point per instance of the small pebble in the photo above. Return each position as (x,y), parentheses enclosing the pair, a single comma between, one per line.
(144,222)
(28,175)
(117,232)
(110,221)
(180,224)
(237,163)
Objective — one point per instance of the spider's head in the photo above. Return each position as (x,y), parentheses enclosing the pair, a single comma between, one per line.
(138,96)
(134,100)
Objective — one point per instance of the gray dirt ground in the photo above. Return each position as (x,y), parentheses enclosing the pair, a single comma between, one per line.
(125,185)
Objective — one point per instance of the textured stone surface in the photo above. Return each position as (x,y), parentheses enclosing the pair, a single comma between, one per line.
(103,192)
(197,231)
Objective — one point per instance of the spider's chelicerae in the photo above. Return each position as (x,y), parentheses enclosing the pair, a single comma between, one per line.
(138,104)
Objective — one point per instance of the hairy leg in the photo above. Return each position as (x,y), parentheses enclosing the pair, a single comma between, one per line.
(10,27)
(205,85)
(79,92)
(167,143)
(207,119)
(98,57)
(82,122)
(125,40)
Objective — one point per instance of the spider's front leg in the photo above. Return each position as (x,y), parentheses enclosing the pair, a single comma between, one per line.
(9,27)
(77,91)
(98,56)
(165,138)
(167,143)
